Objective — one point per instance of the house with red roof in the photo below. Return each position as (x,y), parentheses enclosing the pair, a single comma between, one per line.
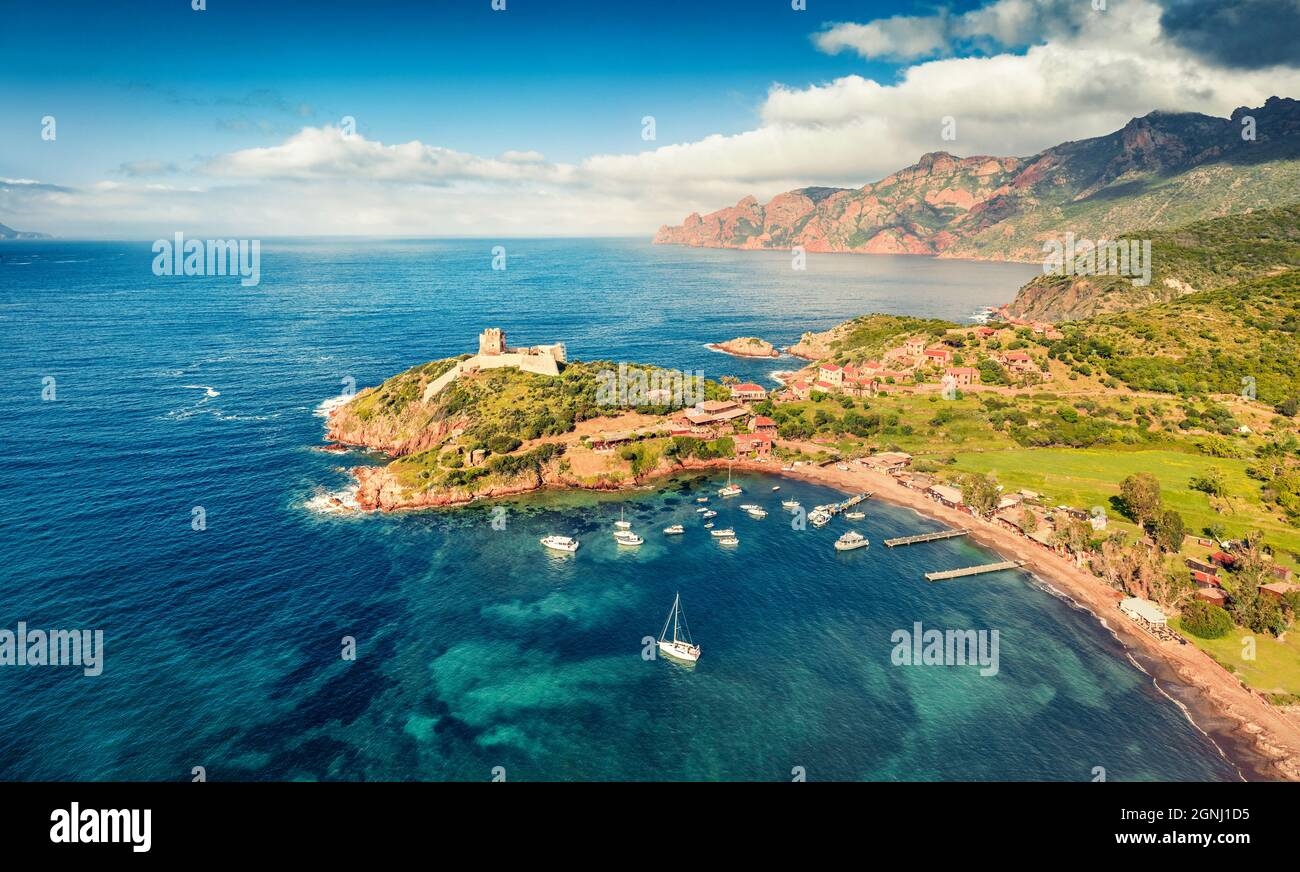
(964,375)
(830,373)
(938,354)
(762,424)
(748,392)
(753,444)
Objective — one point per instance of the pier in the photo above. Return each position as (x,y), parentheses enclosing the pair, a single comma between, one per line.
(925,537)
(974,570)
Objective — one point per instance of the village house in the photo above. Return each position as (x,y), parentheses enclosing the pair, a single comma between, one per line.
(1278,589)
(888,462)
(1017,361)
(985,332)
(748,392)
(757,445)
(762,424)
(946,494)
(938,354)
(915,346)
(964,375)
(800,390)
(1212,595)
(830,374)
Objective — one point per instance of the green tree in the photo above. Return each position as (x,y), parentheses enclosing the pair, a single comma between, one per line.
(1169,530)
(1140,494)
(980,492)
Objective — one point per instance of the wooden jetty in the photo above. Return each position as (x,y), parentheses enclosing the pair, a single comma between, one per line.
(974,570)
(925,537)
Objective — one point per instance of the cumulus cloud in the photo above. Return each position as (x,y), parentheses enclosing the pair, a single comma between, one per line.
(1046,72)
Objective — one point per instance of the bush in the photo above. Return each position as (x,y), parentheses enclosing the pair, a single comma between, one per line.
(1205,620)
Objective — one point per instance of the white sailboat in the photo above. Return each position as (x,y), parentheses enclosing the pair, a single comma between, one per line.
(677,647)
(620,523)
(731,490)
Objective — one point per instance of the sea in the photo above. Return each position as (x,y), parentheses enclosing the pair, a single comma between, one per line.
(163,482)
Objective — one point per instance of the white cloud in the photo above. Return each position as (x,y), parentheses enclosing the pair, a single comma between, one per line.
(1092,73)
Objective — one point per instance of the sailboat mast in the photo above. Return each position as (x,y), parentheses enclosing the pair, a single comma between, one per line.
(676,609)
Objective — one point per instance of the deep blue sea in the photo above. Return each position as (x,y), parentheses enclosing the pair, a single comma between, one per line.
(476,648)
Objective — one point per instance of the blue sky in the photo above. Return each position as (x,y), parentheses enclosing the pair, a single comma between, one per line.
(131,81)
(528,121)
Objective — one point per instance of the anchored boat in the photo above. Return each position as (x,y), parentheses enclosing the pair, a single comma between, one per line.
(680,646)
(560,543)
(674,530)
(851,541)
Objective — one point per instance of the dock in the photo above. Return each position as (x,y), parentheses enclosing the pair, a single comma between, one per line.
(925,537)
(974,570)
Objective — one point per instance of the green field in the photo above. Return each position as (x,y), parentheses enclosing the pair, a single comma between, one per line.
(1087,477)
(1276,667)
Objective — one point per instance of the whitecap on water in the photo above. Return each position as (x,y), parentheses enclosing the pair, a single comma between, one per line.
(341,502)
(326,406)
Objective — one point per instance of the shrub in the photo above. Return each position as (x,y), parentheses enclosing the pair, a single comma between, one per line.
(1205,620)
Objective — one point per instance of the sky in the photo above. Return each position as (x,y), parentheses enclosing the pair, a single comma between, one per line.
(452,118)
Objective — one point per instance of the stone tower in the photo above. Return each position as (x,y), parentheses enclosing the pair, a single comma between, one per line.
(492,341)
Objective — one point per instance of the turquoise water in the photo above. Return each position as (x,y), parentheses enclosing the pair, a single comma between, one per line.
(477,648)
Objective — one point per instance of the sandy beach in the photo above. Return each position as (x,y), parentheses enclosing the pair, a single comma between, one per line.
(1261,740)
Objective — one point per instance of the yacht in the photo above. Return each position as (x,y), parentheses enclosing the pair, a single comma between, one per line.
(731,490)
(560,543)
(678,648)
(850,541)
(621,523)
(757,513)
(709,526)
(627,537)
(702,510)
(729,540)
(855,516)
(709,514)
(674,529)
(748,507)
(722,534)
(789,504)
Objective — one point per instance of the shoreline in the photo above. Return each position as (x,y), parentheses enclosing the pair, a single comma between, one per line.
(1261,742)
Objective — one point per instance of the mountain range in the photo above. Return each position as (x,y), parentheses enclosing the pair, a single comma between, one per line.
(7,232)
(1162,170)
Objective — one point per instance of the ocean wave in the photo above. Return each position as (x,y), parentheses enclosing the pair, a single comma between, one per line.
(208,391)
(340,502)
(324,408)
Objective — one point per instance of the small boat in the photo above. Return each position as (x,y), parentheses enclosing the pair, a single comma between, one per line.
(709,514)
(722,534)
(731,490)
(748,507)
(627,537)
(850,541)
(709,526)
(674,530)
(819,518)
(776,487)
(789,504)
(620,523)
(757,513)
(855,516)
(702,510)
(729,540)
(701,499)
(560,543)
(678,648)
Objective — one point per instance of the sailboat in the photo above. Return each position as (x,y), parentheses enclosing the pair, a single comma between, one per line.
(620,523)
(678,648)
(731,490)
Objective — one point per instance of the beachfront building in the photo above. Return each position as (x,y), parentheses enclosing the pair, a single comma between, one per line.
(946,494)
(1143,611)
(748,392)
(888,462)
(756,445)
